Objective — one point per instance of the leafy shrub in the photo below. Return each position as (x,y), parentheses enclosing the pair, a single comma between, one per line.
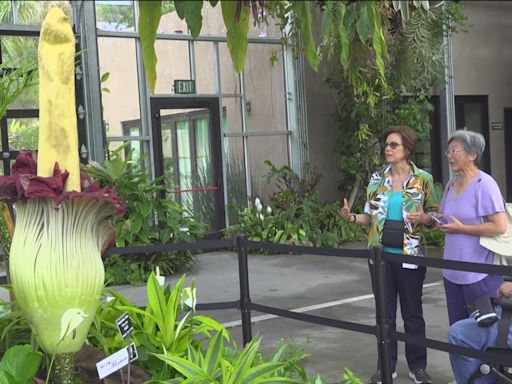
(150,219)
(295,214)
(169,323)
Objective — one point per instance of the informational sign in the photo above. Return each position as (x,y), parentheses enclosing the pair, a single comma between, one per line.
(116,361)
(124,324)
(184,86)
(113,363)
(497,125)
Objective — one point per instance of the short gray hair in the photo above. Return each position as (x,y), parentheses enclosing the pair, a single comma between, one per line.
(473,142)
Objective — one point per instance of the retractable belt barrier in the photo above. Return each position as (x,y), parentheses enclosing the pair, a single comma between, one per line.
(241,245)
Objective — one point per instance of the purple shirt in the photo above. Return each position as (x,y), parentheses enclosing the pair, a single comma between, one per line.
(481,198)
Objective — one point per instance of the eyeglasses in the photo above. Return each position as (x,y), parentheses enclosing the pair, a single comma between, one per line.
(392,145)
(453,151)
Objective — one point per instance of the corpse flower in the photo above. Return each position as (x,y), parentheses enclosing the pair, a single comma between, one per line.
(62,217)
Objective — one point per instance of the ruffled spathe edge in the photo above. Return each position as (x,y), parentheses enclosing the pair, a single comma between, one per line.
(24,184)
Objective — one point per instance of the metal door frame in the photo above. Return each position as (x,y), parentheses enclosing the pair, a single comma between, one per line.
(212,104)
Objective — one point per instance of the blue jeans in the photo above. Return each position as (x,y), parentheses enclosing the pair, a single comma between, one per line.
(466,333)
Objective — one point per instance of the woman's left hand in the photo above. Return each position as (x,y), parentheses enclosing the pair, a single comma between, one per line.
(454,225)
(419,217)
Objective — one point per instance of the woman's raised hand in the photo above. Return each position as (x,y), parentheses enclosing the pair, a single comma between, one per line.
(345,211)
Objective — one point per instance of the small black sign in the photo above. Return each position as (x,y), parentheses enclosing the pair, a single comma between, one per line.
(124,324)
(132,352)
(184,86)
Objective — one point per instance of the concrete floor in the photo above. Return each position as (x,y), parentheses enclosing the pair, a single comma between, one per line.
(338,288)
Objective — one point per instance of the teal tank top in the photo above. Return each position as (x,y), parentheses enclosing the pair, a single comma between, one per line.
(395,213)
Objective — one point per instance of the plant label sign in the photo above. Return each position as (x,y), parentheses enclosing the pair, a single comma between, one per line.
(116,361)
(124,324)
(132,352)
(113,363)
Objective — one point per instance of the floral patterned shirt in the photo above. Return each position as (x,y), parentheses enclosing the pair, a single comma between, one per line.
(418,192)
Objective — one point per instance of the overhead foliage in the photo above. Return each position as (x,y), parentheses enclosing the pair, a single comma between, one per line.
(353,34)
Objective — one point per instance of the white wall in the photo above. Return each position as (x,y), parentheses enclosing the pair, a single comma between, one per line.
(483,66)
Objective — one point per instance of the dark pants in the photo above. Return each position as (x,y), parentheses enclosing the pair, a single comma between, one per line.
(407,284)
(459,296)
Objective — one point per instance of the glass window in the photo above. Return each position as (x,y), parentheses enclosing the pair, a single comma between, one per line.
(6,12)
(264,89)
(273,148)
(18,51)
(213,24)
(115,15)
(235,177)
(229,79)
(205,67)
(170,22)
(173,64)
(28,12)
(231,114)
(121,103)
(23,133)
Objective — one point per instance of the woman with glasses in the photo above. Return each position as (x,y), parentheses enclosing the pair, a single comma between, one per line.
(472,206)
(399,201)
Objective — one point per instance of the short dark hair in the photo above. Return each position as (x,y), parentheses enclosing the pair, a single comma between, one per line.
(409,137)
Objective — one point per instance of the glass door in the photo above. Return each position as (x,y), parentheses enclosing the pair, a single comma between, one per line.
(186,143)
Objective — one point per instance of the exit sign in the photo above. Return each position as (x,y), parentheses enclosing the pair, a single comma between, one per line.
(184,86)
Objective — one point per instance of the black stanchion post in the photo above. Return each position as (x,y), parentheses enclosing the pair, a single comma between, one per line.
(380,308)
(245,298)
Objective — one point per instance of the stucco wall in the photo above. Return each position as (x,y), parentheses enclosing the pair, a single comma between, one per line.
(482,66)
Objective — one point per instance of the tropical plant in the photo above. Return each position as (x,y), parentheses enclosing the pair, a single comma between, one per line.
(14,328)
(353,34)
(19,365)
(61,218)
(168,324)
(211,367)
(295,214)
(149,219)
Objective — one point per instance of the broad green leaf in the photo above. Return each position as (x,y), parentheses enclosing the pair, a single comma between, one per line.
(363,23)
(21,363)
(190,10)
(303,11)
(150,13)
(180,6)
(237,31)
(327,18)
(7,378)
(343,26)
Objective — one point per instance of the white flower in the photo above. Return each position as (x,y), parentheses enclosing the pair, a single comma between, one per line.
(189,297)
(257,202)
(269,210)
(261,216)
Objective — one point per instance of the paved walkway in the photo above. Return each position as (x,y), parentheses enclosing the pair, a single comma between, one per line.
(326,286)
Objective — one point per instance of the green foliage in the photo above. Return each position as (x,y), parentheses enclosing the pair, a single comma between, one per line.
(169,324)
(150,13)
(236,19)
(23,134)
(295,215)
(19,365)
(150,219)
(350,378)
(212,367)
(360,157)
(14,81)
(14,329)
